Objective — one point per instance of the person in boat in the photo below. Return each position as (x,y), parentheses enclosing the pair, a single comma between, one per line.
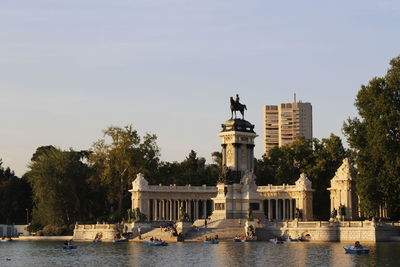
(151,239)
(216,237)
(357,245)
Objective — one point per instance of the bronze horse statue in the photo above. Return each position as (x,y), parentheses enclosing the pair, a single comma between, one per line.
(236,106)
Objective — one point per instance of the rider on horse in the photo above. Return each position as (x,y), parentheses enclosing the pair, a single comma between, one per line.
(237,106)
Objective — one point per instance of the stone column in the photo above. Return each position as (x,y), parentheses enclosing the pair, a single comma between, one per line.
(223,154)
(196,209)
(269,209)
(283,209)
(204,209)
(250,156)
(162,210)
(277,209)
(189,211)
(291,209)
(155,209)
(148,210)
(170,209)
(173,209)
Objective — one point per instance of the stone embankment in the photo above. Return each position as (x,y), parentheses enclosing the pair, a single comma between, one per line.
(333,231)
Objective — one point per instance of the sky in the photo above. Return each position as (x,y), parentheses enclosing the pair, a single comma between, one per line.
(71,68)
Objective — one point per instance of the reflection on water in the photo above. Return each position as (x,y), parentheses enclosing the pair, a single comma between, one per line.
(195,254)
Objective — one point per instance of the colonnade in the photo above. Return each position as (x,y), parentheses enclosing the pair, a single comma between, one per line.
(280,209)
(168,209)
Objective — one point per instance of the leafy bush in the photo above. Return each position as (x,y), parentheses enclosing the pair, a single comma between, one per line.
(53,230)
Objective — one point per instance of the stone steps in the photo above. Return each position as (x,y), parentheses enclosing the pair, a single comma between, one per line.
(225,229)
(157,233)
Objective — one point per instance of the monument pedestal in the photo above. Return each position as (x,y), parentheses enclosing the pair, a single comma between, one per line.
(237,201)
(237,196)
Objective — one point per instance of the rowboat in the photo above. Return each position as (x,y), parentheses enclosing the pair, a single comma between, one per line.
(276,241)
(354,250)
(120,240)
(70,247)
(211,242)
(157,243)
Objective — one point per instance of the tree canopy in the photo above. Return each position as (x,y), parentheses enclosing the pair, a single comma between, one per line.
(374,138)
(119,160)
(319,161)
(15,197)
(58,180)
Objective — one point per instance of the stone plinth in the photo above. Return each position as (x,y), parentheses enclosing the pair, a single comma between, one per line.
(183,227)
(87,232)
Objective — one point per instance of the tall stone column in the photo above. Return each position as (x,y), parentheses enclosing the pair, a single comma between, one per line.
(250,149)
(223,154)
(196,213)
(189,208)
(155,209)
(174,204)
(270,209)
(148,210)
(170,210)
(291,209)
(283,209)
(205,209)
(277,209)
(163,209)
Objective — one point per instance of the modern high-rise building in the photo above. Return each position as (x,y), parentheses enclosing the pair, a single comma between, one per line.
(283,123)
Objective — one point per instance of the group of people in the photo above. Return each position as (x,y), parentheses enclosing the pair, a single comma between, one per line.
(68,243)
(242,237)
(215,238)
(155,239)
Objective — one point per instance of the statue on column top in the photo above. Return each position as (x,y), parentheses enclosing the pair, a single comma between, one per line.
(237,106)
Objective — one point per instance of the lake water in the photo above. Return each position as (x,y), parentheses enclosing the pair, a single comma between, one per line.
(41,253)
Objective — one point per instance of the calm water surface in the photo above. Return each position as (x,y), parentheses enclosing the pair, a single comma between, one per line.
(40,253)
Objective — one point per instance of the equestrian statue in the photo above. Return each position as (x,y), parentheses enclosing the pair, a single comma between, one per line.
(237,106)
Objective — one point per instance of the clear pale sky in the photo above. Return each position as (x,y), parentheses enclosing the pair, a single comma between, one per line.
(70,68)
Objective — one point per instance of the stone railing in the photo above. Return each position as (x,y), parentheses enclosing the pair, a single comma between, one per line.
(316,224)
(277,188)
(94,226)
(185,188)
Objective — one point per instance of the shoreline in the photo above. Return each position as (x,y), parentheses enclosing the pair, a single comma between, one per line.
(43,238)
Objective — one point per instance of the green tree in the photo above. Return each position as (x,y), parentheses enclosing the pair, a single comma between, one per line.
(327,157)
(60,192)
(119,161)
(374,138)
(319,162)
(15,197)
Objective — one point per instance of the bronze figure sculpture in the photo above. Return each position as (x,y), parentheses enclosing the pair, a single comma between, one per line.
(237,106)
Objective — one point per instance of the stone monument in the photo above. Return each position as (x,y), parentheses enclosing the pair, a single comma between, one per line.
(237,190)
(343,193)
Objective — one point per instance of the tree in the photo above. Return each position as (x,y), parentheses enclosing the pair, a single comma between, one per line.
(60,192)
(118,162)
(327,157)
(15,197)
(374,138)
(319,161)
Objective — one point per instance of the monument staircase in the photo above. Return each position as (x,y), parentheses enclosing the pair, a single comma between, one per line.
(157,233)
(225,229)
